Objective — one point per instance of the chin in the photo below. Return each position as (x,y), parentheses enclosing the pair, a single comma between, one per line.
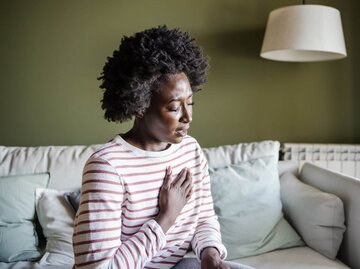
(176,139)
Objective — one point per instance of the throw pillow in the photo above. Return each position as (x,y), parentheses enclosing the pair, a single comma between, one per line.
(247,201)
(223,156)
(318,216)
(57,221)
(17,207)
(74,199)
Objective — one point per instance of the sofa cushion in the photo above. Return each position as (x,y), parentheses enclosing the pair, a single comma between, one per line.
(223,156)
(64,163)
(247,202)
(246,192)
(32,265)
(318,216)
(17,207)
(294,258)
(57,220)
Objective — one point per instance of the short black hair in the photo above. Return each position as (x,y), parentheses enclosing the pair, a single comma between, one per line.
(142,61)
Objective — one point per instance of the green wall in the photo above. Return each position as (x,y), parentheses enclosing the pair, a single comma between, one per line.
(53,51)
(355,68)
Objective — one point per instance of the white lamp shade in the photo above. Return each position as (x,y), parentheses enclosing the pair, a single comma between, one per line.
(304,33)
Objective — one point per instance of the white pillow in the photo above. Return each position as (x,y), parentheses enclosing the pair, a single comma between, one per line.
(57,221)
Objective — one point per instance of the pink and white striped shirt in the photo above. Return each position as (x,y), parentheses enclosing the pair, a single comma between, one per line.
(115,226)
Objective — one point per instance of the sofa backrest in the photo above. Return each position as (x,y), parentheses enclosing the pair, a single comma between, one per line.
(64,163)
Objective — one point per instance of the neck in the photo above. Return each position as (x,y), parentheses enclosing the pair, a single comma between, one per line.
(138,137)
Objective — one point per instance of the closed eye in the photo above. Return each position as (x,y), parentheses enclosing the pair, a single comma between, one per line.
(174,109)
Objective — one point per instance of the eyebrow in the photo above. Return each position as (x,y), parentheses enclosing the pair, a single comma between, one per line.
(177,99)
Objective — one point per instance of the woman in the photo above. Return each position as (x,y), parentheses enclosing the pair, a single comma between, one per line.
(146,194)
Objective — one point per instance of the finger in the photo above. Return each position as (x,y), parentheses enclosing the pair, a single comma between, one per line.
(188,197)
(187,180)
(167,179)
(180,178)
(189,190)
(186,184)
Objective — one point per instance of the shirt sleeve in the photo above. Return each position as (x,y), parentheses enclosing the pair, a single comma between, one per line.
(98,225)
(207,232)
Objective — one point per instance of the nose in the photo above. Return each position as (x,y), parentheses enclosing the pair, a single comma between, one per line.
(186,116)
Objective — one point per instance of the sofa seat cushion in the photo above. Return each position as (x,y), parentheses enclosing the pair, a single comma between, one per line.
(294,258)
(31,265)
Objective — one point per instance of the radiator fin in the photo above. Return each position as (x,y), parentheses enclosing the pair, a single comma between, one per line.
(342,158)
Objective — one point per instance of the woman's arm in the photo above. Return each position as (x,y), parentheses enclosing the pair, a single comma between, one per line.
(98,225)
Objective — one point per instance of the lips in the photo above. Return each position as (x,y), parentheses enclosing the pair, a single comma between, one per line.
(181,132)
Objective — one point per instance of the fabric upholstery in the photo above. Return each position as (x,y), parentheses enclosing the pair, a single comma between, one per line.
(222,156)
(57,220)
(73,199)
(294,258)
(64,163)
(247,201)
(18,237)
(316,215)
(347,189)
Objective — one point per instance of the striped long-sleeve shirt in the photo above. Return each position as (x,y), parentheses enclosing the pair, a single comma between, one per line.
(115,226)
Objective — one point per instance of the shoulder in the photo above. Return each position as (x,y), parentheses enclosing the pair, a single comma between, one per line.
(189,141)
(190,144)
(108,150)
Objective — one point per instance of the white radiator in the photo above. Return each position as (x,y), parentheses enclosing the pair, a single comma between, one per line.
(341,158)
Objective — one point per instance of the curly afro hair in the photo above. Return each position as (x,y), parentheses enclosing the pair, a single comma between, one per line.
(142,61)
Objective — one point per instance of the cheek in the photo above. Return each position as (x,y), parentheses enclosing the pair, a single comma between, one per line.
(163,123)
(170,121)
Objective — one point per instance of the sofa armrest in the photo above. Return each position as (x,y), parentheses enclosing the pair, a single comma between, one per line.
(348,190)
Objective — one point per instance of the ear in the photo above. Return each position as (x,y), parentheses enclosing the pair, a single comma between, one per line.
(139,115)
(142,112)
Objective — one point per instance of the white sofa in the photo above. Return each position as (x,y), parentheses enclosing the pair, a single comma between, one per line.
(65,164)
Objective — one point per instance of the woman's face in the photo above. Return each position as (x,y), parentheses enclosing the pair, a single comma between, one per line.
(170,113)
